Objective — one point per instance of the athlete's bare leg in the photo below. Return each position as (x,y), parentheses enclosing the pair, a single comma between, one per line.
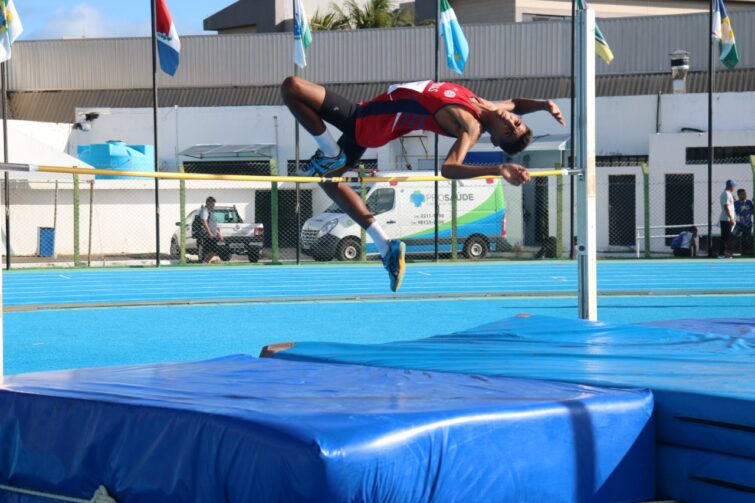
(304,99)
(350,202)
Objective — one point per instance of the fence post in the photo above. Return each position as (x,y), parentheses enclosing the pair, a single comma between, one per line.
(363,233)
(76,254)
(646,205)
(91,215)
(454,215)
(182,216)
(559,213)
(274,215)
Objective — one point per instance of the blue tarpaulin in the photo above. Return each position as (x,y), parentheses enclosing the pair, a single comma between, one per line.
(245,429)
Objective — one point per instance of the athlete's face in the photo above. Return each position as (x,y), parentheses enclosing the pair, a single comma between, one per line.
(506,128)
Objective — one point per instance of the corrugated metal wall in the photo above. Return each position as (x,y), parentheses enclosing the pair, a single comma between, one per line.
(641,45)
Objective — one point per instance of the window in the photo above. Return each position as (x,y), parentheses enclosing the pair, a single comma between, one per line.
(616,161)
(228,167)
(227,216)
(381,201)
(536,18)
(721,155)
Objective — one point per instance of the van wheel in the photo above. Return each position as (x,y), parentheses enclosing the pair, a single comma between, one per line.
(476,248)
(175,252)
(349,250)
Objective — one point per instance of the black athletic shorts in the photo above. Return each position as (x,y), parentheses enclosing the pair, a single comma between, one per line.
(341,112)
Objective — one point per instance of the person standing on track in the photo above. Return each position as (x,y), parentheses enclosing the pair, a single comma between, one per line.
(444,108)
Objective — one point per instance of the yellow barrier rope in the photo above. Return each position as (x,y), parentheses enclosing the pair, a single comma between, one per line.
(252,178)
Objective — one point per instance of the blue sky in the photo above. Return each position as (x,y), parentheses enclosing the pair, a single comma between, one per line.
(46,19)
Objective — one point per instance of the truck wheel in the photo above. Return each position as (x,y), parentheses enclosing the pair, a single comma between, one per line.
(349,250)
(254,255)
(175,251)
(476,248)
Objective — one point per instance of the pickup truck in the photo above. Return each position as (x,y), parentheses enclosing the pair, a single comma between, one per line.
(240,238)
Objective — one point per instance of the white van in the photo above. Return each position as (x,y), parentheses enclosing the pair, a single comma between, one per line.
(407,211)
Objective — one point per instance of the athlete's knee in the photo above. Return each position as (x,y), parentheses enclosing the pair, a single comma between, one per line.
(291,88)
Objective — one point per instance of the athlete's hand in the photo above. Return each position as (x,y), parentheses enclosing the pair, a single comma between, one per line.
(555,112)
(514,173)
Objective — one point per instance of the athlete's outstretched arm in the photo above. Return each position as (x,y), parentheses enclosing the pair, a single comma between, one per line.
(454,167)
(522,106)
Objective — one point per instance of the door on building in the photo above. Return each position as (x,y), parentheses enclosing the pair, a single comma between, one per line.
(680,202)
(621,210)
(287,225)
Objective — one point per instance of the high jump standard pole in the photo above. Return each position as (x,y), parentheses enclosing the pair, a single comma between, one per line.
(586,198)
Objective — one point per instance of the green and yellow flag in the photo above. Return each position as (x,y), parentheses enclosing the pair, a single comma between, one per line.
(601,44)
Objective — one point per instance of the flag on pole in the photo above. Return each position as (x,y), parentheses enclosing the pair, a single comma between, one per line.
(723,32)
(601,44)
(302,34)
(10,28)
(168,44)
(457,49)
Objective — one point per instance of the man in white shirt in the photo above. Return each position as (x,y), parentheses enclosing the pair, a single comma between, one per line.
(207,243)
(727,218)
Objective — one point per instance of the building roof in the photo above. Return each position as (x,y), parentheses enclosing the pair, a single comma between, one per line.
(60,106)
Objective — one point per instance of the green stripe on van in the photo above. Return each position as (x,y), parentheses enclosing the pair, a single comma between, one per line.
(495,202)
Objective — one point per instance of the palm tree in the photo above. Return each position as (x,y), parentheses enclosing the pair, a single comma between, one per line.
(374,14)
(333,20)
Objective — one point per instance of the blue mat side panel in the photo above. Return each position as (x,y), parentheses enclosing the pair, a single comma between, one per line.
(147,454)
(245,429)
(697,476)
(706,422)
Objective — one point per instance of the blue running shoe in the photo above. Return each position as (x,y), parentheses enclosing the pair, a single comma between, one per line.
(319,165)
(395,263)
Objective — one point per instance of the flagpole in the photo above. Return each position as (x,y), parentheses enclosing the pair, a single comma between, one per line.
(437,78)
(710,128)
(4,78)
(154,127)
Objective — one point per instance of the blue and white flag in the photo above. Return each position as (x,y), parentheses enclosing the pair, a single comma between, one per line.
(168,44)
(457,49)
(302,35)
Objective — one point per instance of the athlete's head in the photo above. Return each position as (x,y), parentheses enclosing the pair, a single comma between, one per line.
(508,132)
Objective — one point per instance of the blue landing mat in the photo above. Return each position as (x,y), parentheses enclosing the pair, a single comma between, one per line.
(740,327)
(244,429)
(704,383)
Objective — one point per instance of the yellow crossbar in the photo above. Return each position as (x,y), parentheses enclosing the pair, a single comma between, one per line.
(257,178)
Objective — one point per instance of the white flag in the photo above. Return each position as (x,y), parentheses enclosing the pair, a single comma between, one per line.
(302,35)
